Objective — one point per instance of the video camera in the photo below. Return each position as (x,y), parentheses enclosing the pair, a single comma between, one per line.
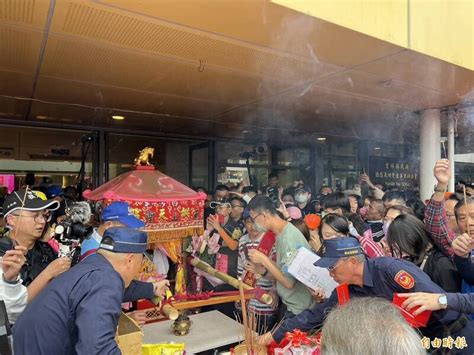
(259,149)
(272,192)
(73,229)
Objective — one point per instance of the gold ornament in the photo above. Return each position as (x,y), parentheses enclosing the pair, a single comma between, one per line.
(144,156)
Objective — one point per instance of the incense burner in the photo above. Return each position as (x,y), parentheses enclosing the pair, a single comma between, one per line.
(181,325)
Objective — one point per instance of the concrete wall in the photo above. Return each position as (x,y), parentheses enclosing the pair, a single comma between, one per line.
(443,29)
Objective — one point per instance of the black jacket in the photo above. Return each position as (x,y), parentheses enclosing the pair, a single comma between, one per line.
(442,271)
(37,259)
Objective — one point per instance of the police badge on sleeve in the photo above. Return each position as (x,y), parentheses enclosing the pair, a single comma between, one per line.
(404,279)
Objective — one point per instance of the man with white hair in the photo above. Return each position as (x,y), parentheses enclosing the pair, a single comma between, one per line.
(375,327)
(379,277)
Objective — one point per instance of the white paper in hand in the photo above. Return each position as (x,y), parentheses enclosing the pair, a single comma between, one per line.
(302,269)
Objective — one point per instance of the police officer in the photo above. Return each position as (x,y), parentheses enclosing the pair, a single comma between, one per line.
(379,277)
(78,312)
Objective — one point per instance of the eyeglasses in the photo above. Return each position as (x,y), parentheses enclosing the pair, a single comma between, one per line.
(336,265)
(254,218)
(38,218)
(216,205)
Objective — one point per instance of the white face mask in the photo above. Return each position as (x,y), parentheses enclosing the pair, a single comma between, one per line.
(246,198)
(301,198)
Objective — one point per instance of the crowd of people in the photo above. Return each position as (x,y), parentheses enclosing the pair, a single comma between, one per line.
(377,243)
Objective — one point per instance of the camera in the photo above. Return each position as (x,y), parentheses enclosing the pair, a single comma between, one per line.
(73,229)
(258,149)
(69,231)
(261,148)
(75,224)
(272,192)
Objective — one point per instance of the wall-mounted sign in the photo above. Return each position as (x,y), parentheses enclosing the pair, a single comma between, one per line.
(394,173)
(8,181)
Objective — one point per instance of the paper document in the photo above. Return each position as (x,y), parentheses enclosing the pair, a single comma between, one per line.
(302,269)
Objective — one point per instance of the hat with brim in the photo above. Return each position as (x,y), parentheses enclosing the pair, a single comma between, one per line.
(54,191)
(124,240)
(31,202)
(337,248)
(326,262)
(120,211)
(303,188)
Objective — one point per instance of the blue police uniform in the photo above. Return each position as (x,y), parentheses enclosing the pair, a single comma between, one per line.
(461,302)
(78,312)
(383,277)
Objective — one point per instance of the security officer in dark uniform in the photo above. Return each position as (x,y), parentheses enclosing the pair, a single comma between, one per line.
(379,277)
(78,312)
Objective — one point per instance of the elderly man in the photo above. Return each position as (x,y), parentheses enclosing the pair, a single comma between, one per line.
(379,277)
(78,312)
(363,317)
(374,217)
(117,214)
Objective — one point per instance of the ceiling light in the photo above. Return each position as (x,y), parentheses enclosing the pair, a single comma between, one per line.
(118,118)
(321,138)
(41,117)
(376,148)
(245,131)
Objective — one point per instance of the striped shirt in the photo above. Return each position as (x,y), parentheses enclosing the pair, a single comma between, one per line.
(371,248)
(246,244)
(377,230)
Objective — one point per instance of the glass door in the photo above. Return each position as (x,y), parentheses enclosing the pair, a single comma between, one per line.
(199,166)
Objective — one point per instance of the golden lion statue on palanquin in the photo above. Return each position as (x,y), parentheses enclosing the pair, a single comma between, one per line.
(144,156)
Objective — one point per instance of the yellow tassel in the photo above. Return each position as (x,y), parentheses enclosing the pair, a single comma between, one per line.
(160,236)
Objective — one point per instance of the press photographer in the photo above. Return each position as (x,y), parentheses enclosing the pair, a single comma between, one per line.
(72,229)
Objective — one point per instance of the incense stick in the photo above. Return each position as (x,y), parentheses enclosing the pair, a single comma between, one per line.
(444,150)
(20,215)
(467,211)
(276,326)
(244,316)
(251,327)
(237,318)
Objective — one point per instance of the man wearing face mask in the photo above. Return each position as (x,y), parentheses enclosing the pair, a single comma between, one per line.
(293,293)
(302,197)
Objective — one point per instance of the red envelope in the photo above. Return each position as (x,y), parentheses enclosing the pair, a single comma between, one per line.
(221,219)
(418,321)
(342,294)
